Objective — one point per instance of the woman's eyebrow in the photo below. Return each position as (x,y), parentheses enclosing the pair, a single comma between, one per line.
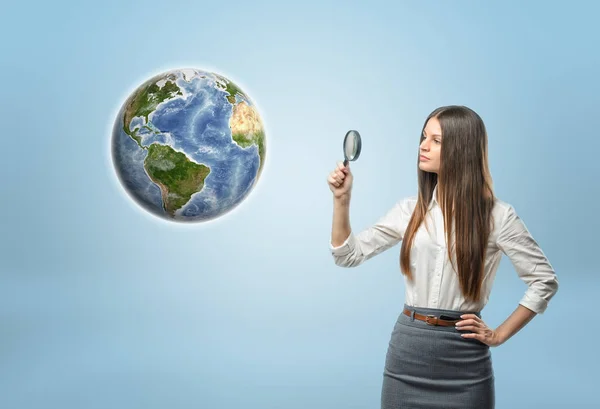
(435,134)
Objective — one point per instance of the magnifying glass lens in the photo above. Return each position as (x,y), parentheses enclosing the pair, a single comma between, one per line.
(352,145)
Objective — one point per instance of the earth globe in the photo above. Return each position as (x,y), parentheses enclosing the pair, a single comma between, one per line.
(188,145)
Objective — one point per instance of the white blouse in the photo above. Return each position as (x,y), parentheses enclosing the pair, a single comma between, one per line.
(435,283)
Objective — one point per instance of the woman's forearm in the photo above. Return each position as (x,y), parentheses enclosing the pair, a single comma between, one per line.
(340,229)
(517,320)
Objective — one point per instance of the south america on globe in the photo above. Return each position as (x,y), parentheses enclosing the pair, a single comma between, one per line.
(188,145)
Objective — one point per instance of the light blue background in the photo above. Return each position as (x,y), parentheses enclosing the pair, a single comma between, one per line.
(105,306)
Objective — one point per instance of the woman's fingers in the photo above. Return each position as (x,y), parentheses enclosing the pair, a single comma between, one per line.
(469,328)
(468,322)
(476,336)
(338,175)
(333,181)
(471,316)
(471,319)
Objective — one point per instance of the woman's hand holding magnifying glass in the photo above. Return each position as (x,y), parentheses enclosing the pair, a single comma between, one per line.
(340,181)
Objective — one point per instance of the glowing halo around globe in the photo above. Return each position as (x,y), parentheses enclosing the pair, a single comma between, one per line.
(188,145)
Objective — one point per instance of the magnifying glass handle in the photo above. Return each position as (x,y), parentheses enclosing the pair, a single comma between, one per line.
(345,162)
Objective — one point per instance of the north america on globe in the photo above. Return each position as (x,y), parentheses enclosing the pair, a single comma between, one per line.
(188,145)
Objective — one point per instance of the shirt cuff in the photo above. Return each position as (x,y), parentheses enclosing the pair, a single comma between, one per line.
(534,302)
(344,248)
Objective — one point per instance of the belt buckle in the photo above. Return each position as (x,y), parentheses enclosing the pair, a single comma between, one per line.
(431,320)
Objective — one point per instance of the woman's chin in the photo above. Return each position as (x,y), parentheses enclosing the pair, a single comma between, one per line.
(426,168)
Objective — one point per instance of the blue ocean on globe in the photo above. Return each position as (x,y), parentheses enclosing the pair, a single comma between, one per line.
(188,145)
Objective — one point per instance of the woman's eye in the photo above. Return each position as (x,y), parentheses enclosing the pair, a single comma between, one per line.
(437,141)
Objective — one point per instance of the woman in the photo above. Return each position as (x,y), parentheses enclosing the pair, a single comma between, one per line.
(453,235)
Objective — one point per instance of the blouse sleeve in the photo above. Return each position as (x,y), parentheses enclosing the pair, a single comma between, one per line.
(529,261)
(384,234)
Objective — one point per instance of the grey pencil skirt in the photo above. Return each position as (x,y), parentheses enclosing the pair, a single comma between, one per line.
(431,367)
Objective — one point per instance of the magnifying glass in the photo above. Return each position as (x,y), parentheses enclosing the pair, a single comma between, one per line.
(352,145)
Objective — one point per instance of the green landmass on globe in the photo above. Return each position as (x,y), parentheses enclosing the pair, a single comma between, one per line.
(178,177)
(161,117)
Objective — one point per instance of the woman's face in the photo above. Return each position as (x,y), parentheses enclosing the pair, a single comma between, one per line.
(431,147)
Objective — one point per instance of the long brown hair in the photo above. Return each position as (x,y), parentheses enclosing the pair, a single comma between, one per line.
(466,197)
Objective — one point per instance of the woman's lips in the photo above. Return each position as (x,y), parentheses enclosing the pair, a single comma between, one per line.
(423,158)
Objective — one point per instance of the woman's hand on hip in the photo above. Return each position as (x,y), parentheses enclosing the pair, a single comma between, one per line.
(480,331)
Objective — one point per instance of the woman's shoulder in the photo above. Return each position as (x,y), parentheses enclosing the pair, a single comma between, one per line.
(404,205)
(501,211)
(408,202)
(500,204)
(501,207)
(410,199)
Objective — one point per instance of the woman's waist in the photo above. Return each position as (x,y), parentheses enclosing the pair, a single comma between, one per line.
(451,312)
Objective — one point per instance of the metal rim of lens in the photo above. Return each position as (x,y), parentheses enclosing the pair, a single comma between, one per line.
(358,144)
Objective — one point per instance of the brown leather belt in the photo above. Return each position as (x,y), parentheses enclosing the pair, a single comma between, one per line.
(431,319)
